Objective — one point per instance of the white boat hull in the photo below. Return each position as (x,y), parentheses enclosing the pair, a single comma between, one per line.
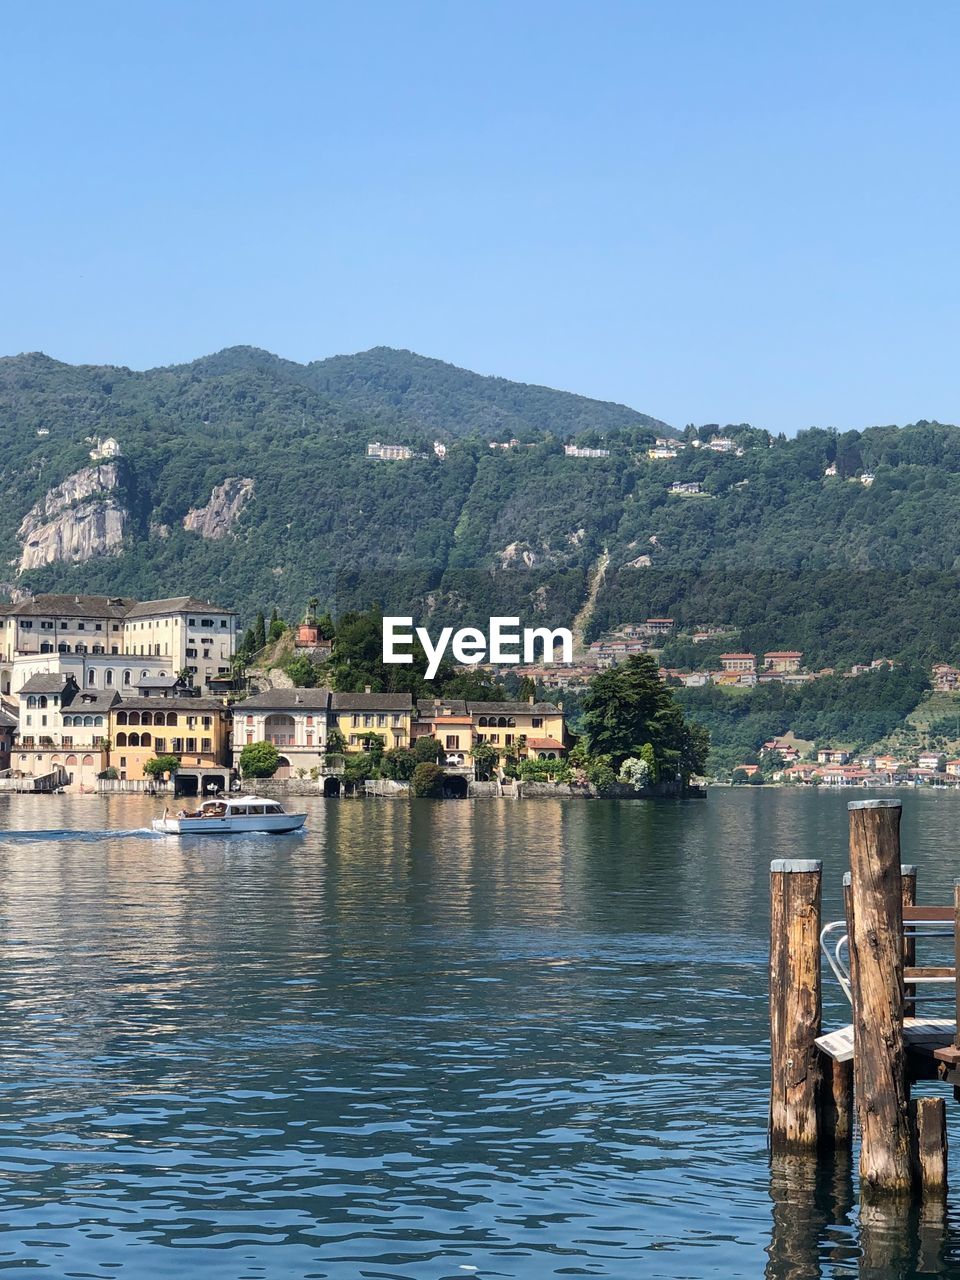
(268,823)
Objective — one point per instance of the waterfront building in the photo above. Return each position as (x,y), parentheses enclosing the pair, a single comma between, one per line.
(296,721)
(534,729)
(8,727)
(450,723)
(196,730)
(360,715)
(63,729)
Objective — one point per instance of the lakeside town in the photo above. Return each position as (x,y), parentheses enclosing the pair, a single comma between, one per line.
(96,690)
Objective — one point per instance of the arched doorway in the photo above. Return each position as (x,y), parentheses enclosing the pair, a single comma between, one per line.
(331,787)
(283,768)
(455,787)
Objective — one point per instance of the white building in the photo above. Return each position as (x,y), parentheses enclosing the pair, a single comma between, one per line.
(296,721)
(112,641)
(574,451)
(389,452)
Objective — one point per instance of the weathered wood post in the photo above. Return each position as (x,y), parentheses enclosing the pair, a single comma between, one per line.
(908,896)
(795,1010)
(929,1116)
(876,951)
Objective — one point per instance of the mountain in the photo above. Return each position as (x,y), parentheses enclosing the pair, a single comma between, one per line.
(426,396)
(245,477)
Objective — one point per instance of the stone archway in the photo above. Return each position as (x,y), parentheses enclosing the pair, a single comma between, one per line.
(331,787)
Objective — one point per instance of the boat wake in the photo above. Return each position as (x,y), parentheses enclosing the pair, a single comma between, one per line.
(90,837)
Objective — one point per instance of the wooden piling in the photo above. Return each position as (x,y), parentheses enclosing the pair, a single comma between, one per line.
(876,950)
(929,1120)
(795,1008)
(908,897)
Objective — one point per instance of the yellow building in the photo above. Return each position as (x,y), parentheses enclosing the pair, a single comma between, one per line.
(535,729)
(359,715)
(196,730)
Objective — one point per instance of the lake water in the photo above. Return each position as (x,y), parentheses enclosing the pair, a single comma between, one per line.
(424,1040)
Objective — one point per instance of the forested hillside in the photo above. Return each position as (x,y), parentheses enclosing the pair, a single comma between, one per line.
(845,546)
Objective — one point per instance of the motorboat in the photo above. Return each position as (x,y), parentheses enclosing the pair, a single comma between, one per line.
(228,816)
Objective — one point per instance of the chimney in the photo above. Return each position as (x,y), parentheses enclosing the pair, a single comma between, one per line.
(531,699)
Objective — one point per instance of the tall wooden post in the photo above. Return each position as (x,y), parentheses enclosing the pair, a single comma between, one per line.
(795,1010)
(876,949)
(908,896)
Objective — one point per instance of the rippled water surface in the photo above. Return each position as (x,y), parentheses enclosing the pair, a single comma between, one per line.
(421,1040)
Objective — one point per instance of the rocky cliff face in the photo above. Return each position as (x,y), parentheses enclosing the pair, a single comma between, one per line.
(221,513)
(81,518)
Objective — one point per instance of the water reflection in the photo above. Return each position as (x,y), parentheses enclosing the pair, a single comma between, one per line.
(528,1038)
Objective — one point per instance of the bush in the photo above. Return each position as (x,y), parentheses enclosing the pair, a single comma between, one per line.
(398,763)
(427,779)
(357,768)
(259,760)
(544,771)
(109,775)
(602,777)
(302,672)
(635,771)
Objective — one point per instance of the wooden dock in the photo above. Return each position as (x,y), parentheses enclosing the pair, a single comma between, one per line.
(898,1037)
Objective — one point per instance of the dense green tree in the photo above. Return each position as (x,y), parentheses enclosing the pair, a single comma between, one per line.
(485,758)
(629,707)
(302,672)
(357,768)
(259,632)
(259,760)
(427,780)
(160,766)
(526,689)
(427,750)
(399,763)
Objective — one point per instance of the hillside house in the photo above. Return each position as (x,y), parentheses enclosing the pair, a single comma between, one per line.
(389,452)
(782,661)
(738,662)
(575,451)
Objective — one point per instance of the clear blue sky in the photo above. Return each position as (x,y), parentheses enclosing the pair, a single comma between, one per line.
(709,211)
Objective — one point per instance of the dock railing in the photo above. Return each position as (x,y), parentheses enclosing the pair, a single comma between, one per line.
(900,1032)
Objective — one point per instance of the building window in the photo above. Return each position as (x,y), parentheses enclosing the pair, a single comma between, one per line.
(123,762)
(537,722)
(453,742)
(206,746)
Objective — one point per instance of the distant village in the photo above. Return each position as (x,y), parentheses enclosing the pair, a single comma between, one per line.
(95,688)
